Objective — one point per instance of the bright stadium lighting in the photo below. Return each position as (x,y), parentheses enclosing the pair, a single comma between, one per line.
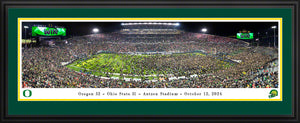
(176,24)
(274,27)
(95,30)
(204,30)
(26,27)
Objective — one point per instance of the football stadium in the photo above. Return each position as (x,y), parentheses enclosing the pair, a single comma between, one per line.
(147,55)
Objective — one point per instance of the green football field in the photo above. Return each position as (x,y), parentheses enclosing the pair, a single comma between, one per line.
(132,66)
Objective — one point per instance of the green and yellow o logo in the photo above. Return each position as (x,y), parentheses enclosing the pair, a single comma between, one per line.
(27,93)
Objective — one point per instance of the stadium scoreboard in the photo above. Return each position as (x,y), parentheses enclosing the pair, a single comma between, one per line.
(244,35)
(47,31)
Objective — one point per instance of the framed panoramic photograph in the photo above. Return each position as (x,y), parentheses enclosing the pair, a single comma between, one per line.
(150,61)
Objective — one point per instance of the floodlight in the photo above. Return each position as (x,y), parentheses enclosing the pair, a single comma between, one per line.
(95,30)
(274,27)
(204,30)
(26,27)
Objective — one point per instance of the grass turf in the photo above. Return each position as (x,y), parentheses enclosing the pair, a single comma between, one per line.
(131,66)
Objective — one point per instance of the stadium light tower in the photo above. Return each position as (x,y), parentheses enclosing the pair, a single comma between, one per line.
(25,27)
(204,30)
(274,27)
(257,39)
(95,30)
(268,38)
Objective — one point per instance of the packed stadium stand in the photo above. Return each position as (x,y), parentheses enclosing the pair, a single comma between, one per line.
(151,55)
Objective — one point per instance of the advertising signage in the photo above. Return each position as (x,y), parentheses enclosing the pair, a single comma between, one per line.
(244,35)
(47,31)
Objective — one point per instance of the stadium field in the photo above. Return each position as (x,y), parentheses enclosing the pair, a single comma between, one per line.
(151,55)
(151,66)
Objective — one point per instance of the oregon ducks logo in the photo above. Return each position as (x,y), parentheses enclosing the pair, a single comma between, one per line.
(273,93)
(27,93)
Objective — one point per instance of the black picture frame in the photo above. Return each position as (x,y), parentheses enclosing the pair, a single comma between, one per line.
(5,5)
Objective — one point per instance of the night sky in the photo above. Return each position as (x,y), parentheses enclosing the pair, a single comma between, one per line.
(215,28)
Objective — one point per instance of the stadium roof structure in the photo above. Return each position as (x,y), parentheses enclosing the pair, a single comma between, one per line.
(150,23)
